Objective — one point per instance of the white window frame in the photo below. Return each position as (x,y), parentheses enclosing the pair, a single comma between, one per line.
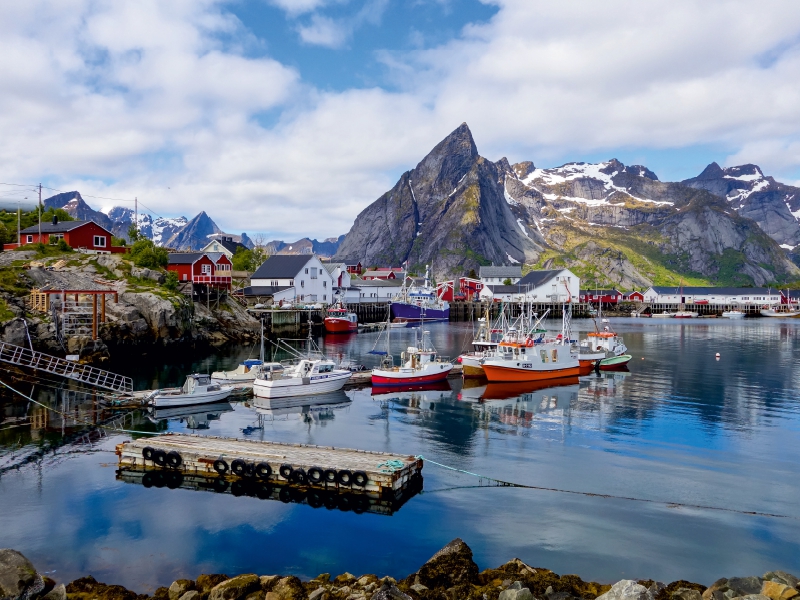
(29,239)
(99,241)
(205,270)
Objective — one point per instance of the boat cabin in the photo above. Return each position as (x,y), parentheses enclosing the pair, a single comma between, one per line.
(197,383)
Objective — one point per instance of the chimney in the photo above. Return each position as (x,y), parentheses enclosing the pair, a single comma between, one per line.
(55,220)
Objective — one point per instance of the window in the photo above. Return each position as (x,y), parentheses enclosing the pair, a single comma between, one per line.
(205,269)
(274,283)
(100,241)
(324,284)
(313,273)
(306,271)
(324,296)
(30,239)
(302,283)
(291,282)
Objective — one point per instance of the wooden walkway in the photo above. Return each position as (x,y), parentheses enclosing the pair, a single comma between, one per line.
(322,467)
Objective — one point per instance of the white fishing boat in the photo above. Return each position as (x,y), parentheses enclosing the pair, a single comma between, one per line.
(420,365)
(198,389)
(663,315)
(246,371)
(733,314)
(484,343)
(686,314)
(781,310)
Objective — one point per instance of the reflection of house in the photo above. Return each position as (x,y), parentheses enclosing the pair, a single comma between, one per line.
(224,244)
(498,275)
(80,235)
(611,296)
(208,268)
(553,286)
(290,277)
(711,295)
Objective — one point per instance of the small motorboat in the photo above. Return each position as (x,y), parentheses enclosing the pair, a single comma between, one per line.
(245,372)
(198,389)
(309,376)
(779,311)
(733,314)
(686,314)
(663,315)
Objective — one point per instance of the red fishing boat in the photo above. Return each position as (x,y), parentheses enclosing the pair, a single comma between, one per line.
(340,320)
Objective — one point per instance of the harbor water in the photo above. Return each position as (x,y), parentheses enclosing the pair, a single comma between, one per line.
(686,466)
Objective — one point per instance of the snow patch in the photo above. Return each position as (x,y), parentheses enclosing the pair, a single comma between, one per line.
(787,247)
(748,177)
(521,226)
(744,194)
(508,197)
(511,259)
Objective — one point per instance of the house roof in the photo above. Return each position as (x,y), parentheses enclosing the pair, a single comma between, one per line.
(281,266)
(380,273)
(330,267)
(229,245)
(263,290)
(60,227)
(537,278)
(184,258)
(675,290)
(377,282)
(510,271)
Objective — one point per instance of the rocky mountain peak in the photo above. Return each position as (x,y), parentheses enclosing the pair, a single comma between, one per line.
(712,171)
(76,206)
(523,169)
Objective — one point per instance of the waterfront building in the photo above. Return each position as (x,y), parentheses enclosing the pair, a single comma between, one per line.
(85,236)
(292,278)
(499,275)
(611,296)
(712,295)
(377,290)
(554,286)
(212,269)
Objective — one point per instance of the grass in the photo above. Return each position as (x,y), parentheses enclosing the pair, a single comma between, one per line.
(104,271)
(43,250)
(5,312)
(12,280)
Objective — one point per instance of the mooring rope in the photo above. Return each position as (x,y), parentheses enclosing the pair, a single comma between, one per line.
(502,483)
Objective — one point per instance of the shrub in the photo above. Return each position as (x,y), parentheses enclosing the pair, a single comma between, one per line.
(64,246)
(171,282)
(144,253)
(118,241)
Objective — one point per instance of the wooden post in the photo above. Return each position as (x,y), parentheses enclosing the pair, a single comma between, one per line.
(103,308)
(94,316)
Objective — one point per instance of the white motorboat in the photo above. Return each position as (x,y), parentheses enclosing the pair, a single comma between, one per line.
(733,314)
(663,315)
(485,342)
(686,314)
(309,376)
(198,389)
(779,311)
(246,371)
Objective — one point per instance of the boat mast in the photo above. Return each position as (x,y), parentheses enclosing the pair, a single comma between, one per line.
(261,355)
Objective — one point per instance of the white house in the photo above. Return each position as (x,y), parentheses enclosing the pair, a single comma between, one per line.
(497,275)
(224,244)
(377,290)
(711,295)
(292,277)
(342,282)
(548,287)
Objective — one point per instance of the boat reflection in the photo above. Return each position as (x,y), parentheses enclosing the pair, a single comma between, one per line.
(605,383)
(524,407)
(475,391)
(195,417)
(318,406)
(436,386)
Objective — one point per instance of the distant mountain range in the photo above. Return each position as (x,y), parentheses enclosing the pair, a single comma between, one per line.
(178,233)
(610,223)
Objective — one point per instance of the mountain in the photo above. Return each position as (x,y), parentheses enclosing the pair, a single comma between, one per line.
(73,203)
(159,229)
(610,223)
(449,211)
(773,205)
(194,235)
(327,247)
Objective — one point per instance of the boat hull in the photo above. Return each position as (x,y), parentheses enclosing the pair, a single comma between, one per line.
(501,373)
(772,313)
(398,378)
(333,325)
(404,310)
(167,400)
(471,366)
(732,315)
(615,362)
(296,386)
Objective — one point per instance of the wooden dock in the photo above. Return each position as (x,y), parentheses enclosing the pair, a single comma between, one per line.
(321,467)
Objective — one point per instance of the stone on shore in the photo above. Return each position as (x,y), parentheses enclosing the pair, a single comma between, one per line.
(516,592)
(389,591)
(685,594)
(450,566)
(179,588)
(88,588)
(237,588)
(627,589)
(735,587)
(18,576)
(59,592)
(286,588)
(778,591)
(191,595)
(782,577)
(205,583)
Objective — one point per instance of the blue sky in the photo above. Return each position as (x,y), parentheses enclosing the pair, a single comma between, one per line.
(288,117)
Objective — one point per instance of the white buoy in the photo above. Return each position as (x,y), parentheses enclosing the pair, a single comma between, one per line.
(717,354)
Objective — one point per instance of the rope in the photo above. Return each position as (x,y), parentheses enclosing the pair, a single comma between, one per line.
(502,483)
(4,384)
(390,466)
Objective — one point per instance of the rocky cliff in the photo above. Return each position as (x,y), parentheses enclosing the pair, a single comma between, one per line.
(613,224)
(449,212)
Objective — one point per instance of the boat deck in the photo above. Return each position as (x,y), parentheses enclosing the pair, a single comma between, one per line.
(386,474)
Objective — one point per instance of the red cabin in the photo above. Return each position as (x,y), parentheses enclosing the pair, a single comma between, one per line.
(634,297)
(611,296)
(80,235)
(209,268)
(470,288)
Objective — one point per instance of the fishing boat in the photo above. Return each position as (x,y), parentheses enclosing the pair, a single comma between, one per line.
(662,315)
(686,314)
(340,320)
(484,343)
(198,389)
(780,310)
(303,375)
(420,364)
(733,314)
(246,371)
(420,303)
(604,350)
(530,359)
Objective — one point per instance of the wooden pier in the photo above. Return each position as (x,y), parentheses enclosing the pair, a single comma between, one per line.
(320,467)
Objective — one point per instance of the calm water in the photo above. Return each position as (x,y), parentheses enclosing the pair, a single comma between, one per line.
(680,427)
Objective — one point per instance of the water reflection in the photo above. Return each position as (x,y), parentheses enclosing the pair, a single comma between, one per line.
(319,407)
(195,417)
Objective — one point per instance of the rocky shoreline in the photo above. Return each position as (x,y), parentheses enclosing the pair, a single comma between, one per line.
(450,574)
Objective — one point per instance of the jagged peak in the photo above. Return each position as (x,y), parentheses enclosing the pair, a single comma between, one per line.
(523,169)
(712,171)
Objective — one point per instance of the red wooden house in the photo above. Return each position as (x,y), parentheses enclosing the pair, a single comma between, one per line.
(611,296)
(468,289)
(208,268)
(80,235)
(353,266)
(633,297)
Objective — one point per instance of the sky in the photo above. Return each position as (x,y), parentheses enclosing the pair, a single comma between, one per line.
(289,117)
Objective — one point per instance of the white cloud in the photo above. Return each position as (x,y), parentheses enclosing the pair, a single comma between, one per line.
(130,98)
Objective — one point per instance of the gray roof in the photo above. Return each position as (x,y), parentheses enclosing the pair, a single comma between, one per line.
(535,278)
(377,282)
(263,290)
(705,290)
(184,258)
(330,267)
(229,245)
(511,271)
(281,266)
(60,227)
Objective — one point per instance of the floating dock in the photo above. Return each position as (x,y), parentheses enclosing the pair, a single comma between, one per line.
(319,467)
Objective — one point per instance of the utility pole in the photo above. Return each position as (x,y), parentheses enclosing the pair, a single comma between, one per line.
(40,212)
(136,215)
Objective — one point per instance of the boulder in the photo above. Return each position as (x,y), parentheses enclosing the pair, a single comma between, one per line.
(88,588)
(57,593)
(778,591)
(143,273)
(782,577)
(191,595)
(685,594)
(18,577)
(14,332)
(236,588)
(267,581)
(205,583)
(287,588)
(179,588)
(320,593)
(389,591)
(165,319)
(627,589)
(735,587)
(450,566)
(516,592)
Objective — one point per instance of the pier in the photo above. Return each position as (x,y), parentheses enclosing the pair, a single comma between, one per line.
(228,460)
